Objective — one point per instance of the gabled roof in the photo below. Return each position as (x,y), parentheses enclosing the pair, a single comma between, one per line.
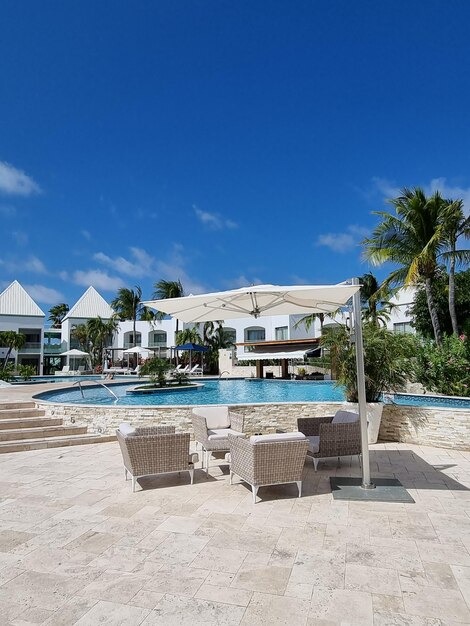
(90,305)
(16,301)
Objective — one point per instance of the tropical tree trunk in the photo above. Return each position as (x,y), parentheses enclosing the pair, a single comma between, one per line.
(452,311)
(433,312)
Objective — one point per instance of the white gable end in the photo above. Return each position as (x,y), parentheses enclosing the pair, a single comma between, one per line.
(90,305)
(15,300)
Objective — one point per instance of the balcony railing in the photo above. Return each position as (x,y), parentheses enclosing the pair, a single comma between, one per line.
(31,347)
(50,348)
(157,344)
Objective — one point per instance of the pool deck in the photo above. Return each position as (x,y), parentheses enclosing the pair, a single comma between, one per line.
(78,547)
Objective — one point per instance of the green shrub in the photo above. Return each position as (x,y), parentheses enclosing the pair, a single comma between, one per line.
(6,373)
(157,369)
(26,371)
(388,359)
(445,369)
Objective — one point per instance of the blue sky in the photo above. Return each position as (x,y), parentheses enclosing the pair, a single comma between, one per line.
(221,143)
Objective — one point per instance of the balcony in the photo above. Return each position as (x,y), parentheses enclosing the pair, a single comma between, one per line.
(31,347)
(157,344)
(53,348)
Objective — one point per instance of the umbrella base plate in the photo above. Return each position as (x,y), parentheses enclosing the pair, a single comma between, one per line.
(386,490)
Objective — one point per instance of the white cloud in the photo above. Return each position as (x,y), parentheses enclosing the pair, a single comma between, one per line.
(141,264)
(98,279)
(31,264)
(389,189)
(344,241)
(86,234)
(15,182)
(43,294)
(213,220)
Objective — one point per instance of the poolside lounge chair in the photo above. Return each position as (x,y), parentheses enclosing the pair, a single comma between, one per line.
(332,436)
(180,369)
(212,425)
(264,460)
(64,370)
(151,450)
(196,370)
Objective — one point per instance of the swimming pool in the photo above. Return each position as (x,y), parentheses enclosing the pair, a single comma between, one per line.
(60,379)
(211,392)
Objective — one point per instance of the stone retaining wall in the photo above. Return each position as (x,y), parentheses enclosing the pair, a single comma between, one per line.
(427,426)
(266,418)
(444,428)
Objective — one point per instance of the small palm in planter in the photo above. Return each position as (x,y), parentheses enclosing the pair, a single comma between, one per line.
(388,359)
(157,370)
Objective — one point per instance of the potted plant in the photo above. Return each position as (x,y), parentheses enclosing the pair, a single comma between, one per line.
(387,366)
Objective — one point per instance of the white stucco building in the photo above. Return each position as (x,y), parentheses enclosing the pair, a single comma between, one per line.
(19,312)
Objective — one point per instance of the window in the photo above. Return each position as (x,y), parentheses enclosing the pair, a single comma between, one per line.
(230,335)
(157,339)
(254,334)
(129,341)
(281,333)
(403,327)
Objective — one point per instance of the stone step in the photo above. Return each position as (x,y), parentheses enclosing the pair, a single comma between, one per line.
(53,442)
(30,422)
(13,413)
(17,405)
(42,432)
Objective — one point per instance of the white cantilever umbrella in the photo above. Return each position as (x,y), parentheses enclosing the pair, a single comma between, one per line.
(75,354)
(264,300)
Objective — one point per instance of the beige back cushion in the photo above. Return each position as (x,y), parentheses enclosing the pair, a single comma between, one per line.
(216,416)
(295,436)
(344,417)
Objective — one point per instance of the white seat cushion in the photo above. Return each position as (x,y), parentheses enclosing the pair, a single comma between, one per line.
(313,444)
(295,436)
(216,416)
(126,429)
(193,458)
(344,417)
(222,433)
(228,458)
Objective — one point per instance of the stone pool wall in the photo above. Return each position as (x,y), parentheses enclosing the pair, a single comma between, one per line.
(266,418)
(443,428)
(427,426)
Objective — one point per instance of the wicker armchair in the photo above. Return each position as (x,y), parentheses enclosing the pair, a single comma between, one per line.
(268,460)
(154,450)
(212,425)
(334,435)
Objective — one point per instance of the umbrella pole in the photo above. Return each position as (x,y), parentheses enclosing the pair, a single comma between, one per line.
(361,388)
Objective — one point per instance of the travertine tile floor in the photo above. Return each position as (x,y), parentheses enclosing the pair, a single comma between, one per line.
(78,547)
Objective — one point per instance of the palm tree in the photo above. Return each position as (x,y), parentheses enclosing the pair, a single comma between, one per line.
(100,334)
(309,319)
(188,335)
(128,305)
(456,225)
(163,290)
(80,334)
(57,314)
(376,306)
(12,341)
(413,239)
(215,337)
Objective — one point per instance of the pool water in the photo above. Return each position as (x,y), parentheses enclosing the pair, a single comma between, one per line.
(60,379)
(212,392)
(445,402)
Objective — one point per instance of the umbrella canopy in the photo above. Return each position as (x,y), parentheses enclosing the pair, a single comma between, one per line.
(74,352)
(265,300)
(136,350)
(192,346)
(256,301)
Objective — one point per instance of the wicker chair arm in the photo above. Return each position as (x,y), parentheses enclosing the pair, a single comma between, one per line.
(241,457)
(200,429)
(237,422)
(310,426)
